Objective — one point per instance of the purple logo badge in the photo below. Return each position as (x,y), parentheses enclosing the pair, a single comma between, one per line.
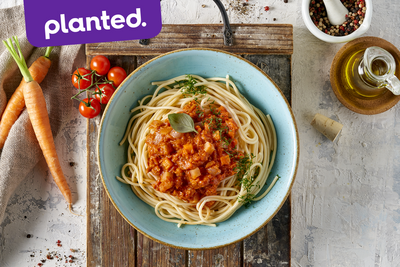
(55,23)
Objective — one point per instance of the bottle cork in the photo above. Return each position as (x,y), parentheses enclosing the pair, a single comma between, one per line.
(328,127)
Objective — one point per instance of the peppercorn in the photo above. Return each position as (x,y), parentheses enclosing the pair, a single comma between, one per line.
(354,18)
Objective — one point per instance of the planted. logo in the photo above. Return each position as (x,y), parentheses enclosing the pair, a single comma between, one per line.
(65,24)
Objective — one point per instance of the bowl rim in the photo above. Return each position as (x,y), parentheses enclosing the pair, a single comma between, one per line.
(297,145)
(336,39)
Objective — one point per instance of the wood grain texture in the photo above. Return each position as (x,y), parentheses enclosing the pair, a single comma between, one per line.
(110,239)
(229,256)
(113,242)
(248,39)
(151,253)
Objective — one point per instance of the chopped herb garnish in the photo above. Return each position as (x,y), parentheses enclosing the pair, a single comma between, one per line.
(226,141)
(242,168)
(189,88)
(215,124)
(213,111)
(200,112)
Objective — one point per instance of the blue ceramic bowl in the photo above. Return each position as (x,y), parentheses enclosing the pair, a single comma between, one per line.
(257,87)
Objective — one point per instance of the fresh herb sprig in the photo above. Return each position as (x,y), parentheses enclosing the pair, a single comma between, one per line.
(189,88)
(181,122)
(246,181)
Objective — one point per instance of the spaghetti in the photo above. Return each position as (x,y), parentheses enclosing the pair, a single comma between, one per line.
(252,150)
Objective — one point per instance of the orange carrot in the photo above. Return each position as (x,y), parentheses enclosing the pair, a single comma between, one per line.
(16,104)
(36,107)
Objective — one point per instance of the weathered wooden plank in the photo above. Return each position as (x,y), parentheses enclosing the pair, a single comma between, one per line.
(229,256)
(151,253)
(143,59)
(278,68)
(110,239)
(248,39)
(271,245)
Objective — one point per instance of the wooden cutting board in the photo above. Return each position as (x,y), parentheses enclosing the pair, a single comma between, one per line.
(111,241)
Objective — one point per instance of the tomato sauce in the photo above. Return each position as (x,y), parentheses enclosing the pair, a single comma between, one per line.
(191,165)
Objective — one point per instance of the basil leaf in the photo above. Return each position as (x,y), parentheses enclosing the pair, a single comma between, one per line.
(181,122)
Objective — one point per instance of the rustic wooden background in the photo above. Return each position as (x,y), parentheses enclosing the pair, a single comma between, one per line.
(111,241)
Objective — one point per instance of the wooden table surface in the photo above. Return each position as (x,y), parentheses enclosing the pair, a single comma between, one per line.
(111,241)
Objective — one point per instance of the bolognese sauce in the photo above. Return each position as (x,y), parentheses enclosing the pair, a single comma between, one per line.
(191,165)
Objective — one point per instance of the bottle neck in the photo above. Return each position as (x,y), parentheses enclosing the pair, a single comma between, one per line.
(370,77)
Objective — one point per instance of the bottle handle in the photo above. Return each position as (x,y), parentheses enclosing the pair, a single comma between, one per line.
(393,84)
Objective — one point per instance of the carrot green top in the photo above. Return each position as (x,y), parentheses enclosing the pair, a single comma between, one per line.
(19,58)
(48,51)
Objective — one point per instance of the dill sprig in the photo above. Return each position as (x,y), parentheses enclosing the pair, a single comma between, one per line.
(189,88)
(242,168)
(246,181)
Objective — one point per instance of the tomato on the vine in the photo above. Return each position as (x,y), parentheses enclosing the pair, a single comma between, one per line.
(82,78)
(117,75)
(107,90)
(100,64)
(89,108)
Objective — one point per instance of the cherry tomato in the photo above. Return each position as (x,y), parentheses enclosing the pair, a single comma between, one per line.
(107,90)
(116,75)
(82,78)
(100,64)
(89,108)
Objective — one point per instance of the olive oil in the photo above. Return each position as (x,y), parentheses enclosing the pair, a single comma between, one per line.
(357,82)
(368,73)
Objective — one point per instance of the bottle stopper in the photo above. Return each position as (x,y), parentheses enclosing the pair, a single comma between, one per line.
(328,127)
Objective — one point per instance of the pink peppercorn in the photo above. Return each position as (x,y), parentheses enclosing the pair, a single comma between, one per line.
(266,8)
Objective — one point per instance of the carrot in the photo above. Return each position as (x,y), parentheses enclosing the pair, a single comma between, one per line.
(16,104)
(36,107)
